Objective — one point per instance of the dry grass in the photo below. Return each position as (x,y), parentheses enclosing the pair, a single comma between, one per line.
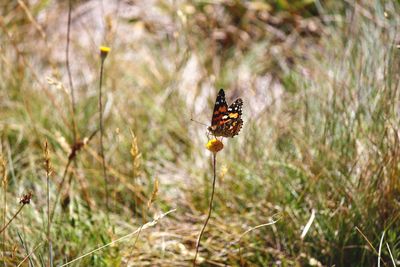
(320,89)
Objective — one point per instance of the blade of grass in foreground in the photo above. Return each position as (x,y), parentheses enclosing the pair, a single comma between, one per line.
(141,228)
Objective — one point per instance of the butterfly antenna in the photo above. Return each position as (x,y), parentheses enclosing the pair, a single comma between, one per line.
(198,122)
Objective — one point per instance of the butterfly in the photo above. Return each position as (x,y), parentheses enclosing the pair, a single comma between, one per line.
(226,121)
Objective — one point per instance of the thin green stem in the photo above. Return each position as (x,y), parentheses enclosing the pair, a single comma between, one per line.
(13,217)
(72,156)
(141,228)
(4,215)
(71,85)
(101,137)
(60,188)
(30,254)
(248,231)
(48,172)
(209,208)
(50,258)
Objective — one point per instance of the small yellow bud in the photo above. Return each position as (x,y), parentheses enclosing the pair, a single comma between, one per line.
(214,145)
(104,50)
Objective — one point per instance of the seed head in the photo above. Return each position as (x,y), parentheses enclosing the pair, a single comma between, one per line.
(26,199)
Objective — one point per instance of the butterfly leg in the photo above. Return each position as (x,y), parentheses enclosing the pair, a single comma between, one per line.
(208,135)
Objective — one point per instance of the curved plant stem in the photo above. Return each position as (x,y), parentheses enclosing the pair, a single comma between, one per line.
(72,156)
(209,209)
(30,254)
(48,172)
(59,189)
(101,138)
(71,85)
(141,228)
(4,183)
(248,231)
(12,218)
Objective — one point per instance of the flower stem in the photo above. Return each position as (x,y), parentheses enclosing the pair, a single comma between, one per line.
(4,182)
(48,172)
(101,138)
(209,208)
(50,259)
(13,217)
(71,85)
(72,156)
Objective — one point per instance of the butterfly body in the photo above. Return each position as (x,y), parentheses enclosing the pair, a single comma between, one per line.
(226,120)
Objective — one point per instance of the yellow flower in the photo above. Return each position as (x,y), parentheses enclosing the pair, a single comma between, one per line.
(104,50)
(214,145)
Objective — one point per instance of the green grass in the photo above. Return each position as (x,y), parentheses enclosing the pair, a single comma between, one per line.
(321,132)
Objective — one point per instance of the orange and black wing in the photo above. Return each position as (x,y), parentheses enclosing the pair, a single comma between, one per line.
(220,109)
(233,121)
(226,121)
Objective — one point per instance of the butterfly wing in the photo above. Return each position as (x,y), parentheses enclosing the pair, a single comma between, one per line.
(235,109)
(226,121)
(220,109)
(233,121)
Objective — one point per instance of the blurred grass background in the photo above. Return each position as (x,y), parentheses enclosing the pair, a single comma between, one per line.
(319,80)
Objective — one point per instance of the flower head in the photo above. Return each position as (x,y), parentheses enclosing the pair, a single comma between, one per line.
(104,50)
(26,199)
(214,145)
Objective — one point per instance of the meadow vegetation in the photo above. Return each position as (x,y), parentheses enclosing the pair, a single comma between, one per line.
(320,142)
